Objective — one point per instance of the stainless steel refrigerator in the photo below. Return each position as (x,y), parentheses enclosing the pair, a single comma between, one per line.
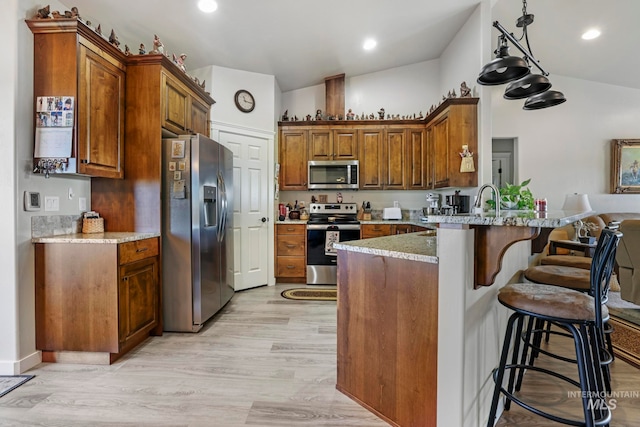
(197,224)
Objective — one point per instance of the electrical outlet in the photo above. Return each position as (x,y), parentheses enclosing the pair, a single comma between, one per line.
(82,204)
(51,203)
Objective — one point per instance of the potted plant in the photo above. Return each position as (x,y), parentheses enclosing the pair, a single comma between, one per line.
(514,196)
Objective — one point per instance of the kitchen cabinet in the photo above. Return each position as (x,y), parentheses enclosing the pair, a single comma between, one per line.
(96,299)
(368,231)
(394,157)
(161,101)
(293,159)
(291,253)
(393,154)
(71,60)
(181,111)
(370,159)
(451,126)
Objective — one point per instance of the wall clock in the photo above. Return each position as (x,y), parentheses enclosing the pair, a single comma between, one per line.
(244,101)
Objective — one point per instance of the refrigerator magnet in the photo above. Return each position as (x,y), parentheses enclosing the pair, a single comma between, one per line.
(177,175)
(177,149)
(182,166)
(172,166)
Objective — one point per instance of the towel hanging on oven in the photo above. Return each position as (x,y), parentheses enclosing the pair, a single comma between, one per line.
(331,237)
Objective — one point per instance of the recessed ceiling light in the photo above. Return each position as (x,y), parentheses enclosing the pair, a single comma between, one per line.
(591,34)
(369,44)
(207,6)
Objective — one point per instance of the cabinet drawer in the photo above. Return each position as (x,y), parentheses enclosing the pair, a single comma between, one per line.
(375,230)
(137,250)
(289,266)
(291,229)
(290,245)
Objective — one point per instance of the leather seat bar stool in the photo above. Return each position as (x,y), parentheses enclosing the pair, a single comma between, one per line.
(578,313)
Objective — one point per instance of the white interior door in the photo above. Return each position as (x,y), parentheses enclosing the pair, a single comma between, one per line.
(250,207)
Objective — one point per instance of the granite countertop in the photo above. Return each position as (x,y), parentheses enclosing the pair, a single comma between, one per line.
(417,222)
(421,246)
(108,237)
(548,219)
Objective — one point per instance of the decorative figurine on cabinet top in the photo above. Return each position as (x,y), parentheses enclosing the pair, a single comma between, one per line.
(381,114)
(43,13)
(127,51)
(318,114)
(158,47)
(465,91)
(113,39)
(285,116)
(75,13)
(350,114)
(98,30)
(141,50)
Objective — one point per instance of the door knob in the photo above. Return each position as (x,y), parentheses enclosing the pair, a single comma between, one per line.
(263,219)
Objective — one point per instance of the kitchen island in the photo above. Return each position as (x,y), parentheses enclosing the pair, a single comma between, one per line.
(417,340)
(97,295)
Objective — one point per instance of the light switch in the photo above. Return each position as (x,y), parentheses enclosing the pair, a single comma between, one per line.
(51,203)
(82,204)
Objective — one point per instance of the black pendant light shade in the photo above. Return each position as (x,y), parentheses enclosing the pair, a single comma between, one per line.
(544,100)
(530,84)
(503,69)
(517,72)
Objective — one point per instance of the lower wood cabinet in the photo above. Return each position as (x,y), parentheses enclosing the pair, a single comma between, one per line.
(368,231)
(291,253)
(96,300)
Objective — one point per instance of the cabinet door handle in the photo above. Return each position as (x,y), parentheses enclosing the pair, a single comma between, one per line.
(141,250)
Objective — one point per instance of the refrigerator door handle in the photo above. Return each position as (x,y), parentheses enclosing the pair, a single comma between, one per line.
(223,208)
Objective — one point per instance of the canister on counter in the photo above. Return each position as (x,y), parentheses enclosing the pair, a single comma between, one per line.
(541,204)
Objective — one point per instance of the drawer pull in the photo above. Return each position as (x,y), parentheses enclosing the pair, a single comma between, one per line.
(291,229)
(291,267)
(141,250)
(291,246)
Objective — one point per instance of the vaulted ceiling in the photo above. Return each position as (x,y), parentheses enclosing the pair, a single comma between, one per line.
(302,41)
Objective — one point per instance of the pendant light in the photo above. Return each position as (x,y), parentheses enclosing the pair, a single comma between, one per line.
(504,68)
(517,71)
(544,100)
(530,84)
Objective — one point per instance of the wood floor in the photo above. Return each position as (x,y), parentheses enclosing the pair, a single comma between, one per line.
(263,361)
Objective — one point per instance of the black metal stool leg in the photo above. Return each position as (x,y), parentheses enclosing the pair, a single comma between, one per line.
(498,373)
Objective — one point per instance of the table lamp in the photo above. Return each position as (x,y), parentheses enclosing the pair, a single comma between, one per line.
(580,203)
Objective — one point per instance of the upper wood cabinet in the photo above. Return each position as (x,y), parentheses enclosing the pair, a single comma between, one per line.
(70,59)
(333,144)
(159,98)
(181,111)
(370,158)
(293,159)
(393,154)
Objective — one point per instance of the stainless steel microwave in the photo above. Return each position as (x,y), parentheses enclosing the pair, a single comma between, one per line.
(333,174)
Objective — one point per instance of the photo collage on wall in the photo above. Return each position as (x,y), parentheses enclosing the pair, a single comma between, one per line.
(54,111)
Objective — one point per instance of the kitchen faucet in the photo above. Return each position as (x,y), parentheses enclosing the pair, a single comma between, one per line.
(478,203)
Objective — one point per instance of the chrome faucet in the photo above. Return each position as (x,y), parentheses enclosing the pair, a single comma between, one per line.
(478,203)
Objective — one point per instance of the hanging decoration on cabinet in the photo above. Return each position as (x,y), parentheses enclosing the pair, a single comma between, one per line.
(54,133)
(467,160)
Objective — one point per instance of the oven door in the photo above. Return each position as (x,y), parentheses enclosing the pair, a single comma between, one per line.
(322,259)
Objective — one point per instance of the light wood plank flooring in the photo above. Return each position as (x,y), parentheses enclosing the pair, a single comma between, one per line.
(262,361)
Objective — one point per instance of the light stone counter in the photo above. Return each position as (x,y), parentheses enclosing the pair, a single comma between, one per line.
(548,219)
(421,246)
(108,237)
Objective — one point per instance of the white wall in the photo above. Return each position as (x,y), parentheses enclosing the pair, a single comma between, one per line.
(566,149)
(403,90)
(17,310)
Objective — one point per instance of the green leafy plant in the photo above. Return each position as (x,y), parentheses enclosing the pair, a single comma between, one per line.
(514,196)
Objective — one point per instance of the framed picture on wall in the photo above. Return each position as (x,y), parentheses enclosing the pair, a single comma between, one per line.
(625,166)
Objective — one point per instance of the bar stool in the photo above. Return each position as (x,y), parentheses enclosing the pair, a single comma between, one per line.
(581,315)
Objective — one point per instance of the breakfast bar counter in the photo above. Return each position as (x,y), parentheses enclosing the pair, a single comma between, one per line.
(417,337)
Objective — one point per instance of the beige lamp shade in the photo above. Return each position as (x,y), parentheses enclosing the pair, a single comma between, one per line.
(576,203)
